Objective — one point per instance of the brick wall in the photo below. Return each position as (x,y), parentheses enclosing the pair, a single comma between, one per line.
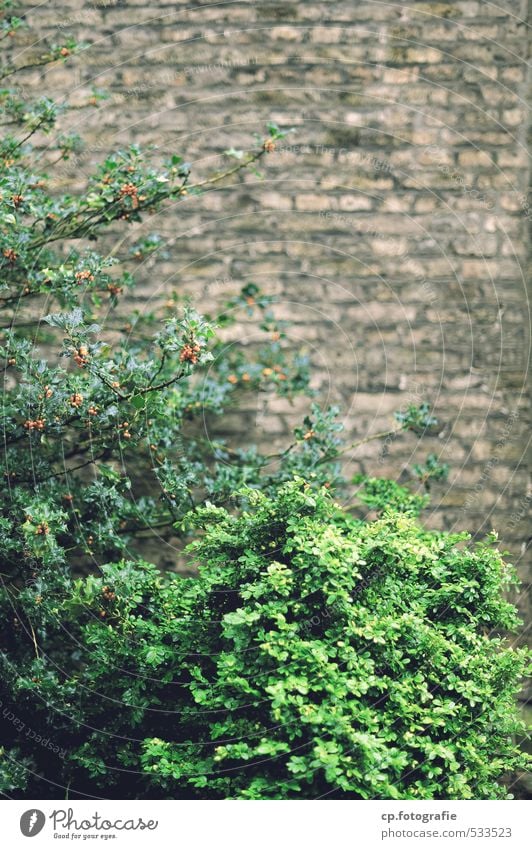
(392,224)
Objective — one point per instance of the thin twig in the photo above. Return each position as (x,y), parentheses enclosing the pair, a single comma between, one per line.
(34,638)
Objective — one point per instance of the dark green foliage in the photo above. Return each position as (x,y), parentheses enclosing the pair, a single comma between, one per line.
(431,469)
(314,656)
(417,418)
(107,411)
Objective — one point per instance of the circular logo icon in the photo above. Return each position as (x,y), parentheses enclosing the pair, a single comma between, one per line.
(32,822)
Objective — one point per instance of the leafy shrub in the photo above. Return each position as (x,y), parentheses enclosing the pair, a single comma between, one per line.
(314,656)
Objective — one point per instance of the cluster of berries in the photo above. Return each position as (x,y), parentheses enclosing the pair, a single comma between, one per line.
(124,427)
(189,354)
(108,594)
(81,357)
(130,191)
(82,276)
(35,424)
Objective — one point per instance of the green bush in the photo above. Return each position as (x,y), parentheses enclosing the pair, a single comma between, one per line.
(316,655)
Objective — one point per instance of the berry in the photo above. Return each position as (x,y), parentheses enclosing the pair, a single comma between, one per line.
(84,275)
(108,594)
(131,191)
(76,400)
(81,357)
(124,427)
(189,354)
(35,424)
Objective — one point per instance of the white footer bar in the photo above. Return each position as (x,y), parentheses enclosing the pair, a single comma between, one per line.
(263,825)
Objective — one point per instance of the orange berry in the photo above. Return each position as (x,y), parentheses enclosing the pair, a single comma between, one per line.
(76,400)
(84,275)
(189,354)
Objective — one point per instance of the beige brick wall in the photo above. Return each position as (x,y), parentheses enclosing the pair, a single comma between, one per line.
(393,223)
